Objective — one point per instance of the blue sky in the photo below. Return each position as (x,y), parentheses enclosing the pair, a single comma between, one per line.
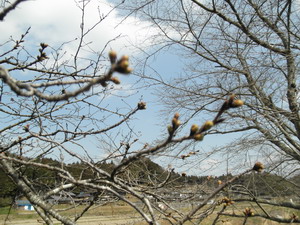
(56,21)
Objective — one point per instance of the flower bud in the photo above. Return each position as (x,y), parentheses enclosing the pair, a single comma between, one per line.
(207,125)
(43,45)
(176,123)
(112,56)
(237,103)
(176,115)
(124,64)
(258,166)
(141,105)
(194,129)
(248,212)
(227,201)
(198,137)
(26,128)
(122,67)
(183,156)
(170,129)
(124,58)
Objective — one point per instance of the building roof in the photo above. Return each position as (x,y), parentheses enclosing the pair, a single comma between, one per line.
(23,202)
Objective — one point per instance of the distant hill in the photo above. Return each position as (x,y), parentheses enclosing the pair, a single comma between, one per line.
(146,172)
(266,184)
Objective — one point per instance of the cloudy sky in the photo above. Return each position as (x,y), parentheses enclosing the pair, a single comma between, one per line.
(57,21)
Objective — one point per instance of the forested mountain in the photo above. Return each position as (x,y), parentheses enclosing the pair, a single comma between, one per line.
(145,171)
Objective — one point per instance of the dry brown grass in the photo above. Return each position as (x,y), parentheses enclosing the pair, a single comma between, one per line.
(122,214)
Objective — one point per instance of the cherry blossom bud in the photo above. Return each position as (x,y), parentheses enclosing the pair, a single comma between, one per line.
(207,125)
(112,56)
(142,105)
(258,166)
(194,129)
(170,129)
(176,123)
(125,58)
(248,212)
(198,137)
(43,45)
(237,103)
(26,128)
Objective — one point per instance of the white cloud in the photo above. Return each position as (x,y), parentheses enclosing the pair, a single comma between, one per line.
(56,21)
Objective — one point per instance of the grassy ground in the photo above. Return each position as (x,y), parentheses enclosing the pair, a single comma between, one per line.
(238,209)
(108,214)
(119,213)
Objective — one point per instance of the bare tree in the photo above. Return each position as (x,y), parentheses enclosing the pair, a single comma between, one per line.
(51,106)
(250,48)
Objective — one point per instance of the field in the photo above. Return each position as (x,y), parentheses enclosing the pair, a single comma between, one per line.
(121,214)
(99,215)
